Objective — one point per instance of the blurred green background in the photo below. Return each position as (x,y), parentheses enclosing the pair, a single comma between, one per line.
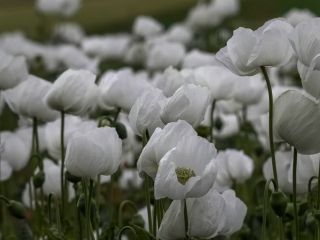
(98,16)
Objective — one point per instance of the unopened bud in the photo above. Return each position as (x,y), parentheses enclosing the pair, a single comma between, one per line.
(278,202)
(38,179)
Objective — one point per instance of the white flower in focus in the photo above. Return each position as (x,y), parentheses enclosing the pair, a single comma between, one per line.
(212,215)
(188,103)
(248,50)
(94,152)
(162,141)
(73,92)
(145,112)
(27,99)
(145,26)
(13,70)
(296,121)
(186,171)
(164,54)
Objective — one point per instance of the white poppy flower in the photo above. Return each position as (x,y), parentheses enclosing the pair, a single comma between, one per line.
(171,79)
(14,150)
(94,152)
(179,33)
(212,215)
(294,16)
(248,50)
(230,126)
(309,79)
(145,112)
(146,26)
(189,103)
(218,79)
(161,55)
(5,170)
(58,7)
(26,99)
(162,141)
(305,170)
(188,170)
(52,133)
(73,92)
(69,32)
(305,42)
(197,58)
(121,89)
(296,121)
(13,70)
(130,178)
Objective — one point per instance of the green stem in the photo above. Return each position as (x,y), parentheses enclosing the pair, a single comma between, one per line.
(6,200)
(185,215)
(49,208)
(154,220)
(62,165)
(295,207)
(122,230)
(212,120)
(273,158)
(318,193)
(281,233)
(147,193)
(122,206)
(265,207)
(98,206)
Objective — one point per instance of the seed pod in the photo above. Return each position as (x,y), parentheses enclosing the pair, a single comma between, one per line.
(38,179)
(279,201)
(121,130)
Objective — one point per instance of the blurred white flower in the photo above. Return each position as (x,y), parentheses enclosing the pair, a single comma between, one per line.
(121,89)
(13,70)
(209,216)
(197,58)
(296,121)
(27,99)
(179,33)
(172,79)
(162,141)
(164,54)
(25,133)
(226,125)
(306,168)
(145,112)
(69,32)
(73,92)
(295,15)
(130,178)
(146,26)
(107,47)
(218,79)
(5,170)
(94,152)
(72,124)
(189,103)
(14,150)
(234,166)
(248,90)
(180,176)
(248,50)
(58,7)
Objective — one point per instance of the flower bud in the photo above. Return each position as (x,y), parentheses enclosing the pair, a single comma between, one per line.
(137,219)
(121,130)
(16,209)
(279,201)
(38,179)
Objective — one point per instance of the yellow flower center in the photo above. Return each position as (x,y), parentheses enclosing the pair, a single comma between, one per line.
(184,174)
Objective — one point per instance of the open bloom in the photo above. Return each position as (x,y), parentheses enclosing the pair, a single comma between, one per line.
(146,26)
(247,50)
(188,170)
(296,121)
(94,152)
(189,103)
(212,215)
(145,113)
(73,92)
(26,99)
(13,70)
(58,7)
(162,141)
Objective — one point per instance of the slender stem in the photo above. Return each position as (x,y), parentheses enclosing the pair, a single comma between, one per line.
(318,193)
(281,233)
(154,220)
(295,207)
(147,193)
(273,158)
(3,198)
(185,214)
(212,119)
(122,206)
(36,142)
(91,183)
(98,206)
(49,208)
(62,165)
(265,207)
